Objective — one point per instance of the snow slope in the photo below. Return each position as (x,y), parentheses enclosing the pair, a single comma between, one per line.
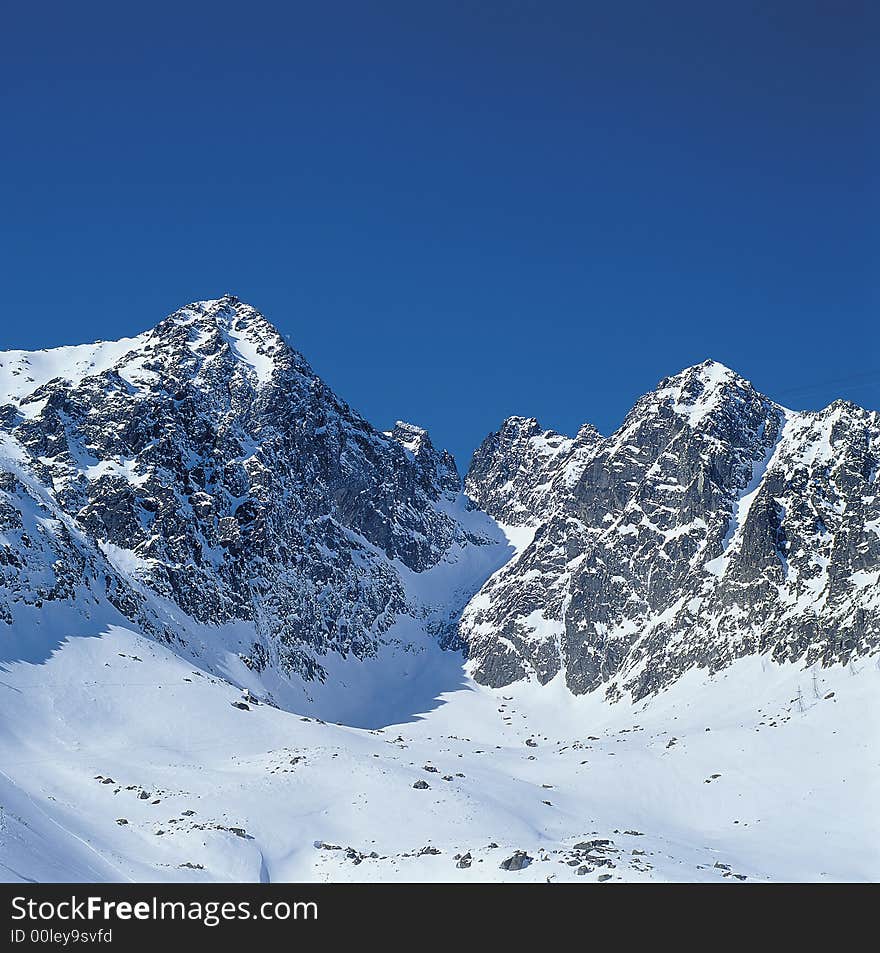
(121,761)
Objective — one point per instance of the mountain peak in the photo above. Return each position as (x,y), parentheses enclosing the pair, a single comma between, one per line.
(225,312)
(206,327)
(697,393)
(519,426)
(411,436)
(709,373)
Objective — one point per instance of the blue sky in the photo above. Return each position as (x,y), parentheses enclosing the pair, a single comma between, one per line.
(458,211)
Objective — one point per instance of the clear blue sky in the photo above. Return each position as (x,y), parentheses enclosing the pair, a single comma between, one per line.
(458,211)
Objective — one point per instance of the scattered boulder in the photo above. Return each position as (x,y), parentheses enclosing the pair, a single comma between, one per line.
(517,861)
(421,785)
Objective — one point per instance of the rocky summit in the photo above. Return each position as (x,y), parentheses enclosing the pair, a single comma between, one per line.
(713,524)
(201,474)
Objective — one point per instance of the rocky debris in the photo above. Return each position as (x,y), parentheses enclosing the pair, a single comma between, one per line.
(603,877)
(421,785)
(241,705)
(517,861)
(121,821)
(464,860)
(597,844)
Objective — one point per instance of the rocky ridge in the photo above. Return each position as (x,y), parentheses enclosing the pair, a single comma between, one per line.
(713,524)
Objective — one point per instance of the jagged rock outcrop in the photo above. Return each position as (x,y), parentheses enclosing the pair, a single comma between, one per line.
(711,525)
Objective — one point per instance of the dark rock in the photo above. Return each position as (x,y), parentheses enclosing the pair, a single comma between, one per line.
(517,861)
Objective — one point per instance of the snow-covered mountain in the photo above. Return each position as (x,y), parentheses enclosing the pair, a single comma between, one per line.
(201,474)
(714,524)
(206,556)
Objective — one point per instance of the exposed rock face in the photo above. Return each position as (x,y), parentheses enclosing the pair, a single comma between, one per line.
(711,525)
(205,462)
